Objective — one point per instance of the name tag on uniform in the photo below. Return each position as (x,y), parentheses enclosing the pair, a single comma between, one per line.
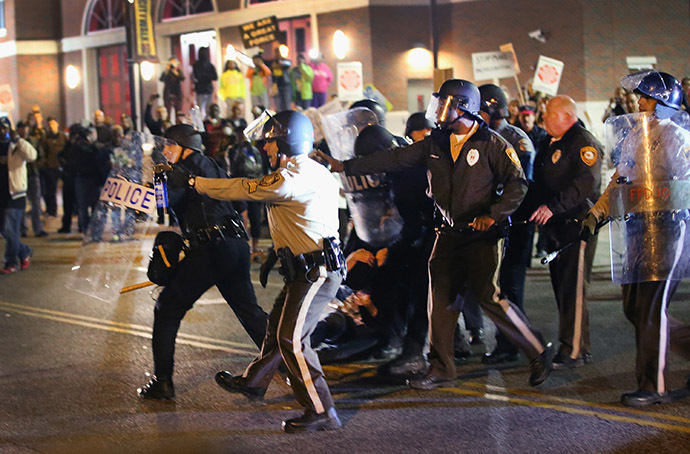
(131,195)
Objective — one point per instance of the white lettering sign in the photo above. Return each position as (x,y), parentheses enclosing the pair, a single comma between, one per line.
(131,195)
(493,65)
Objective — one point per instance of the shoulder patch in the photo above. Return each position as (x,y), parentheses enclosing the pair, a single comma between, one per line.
(513,157)
(556,156)
(266,180)
(589,155)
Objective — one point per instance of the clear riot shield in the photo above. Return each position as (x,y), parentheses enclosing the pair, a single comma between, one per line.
(116,239)
(650,199)
(341,129)
(369,198)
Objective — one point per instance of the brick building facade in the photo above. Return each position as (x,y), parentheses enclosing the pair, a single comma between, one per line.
(592,38)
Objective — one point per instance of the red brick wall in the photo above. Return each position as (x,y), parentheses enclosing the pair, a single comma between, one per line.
(30,24)
(390,49)
(39,83)
(72,16)
(613,31)
(356,25)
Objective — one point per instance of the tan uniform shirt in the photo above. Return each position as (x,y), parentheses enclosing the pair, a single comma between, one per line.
(302,201)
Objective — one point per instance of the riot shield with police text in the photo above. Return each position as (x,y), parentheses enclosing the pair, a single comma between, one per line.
(649,201)
(341,129)
(116,238)
(369,197)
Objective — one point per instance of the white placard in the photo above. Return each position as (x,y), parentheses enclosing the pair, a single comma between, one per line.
(6,97)
(131,195)
(493,65)
(547,76)
(350,81)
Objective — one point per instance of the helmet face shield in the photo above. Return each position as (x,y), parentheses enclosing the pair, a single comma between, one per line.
(255,130)
(440,110)
(172,152)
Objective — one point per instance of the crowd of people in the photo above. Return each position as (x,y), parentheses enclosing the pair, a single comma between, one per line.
(274,84)
(440,223)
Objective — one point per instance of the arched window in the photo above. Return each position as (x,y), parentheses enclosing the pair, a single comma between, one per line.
(179,8)
(106,14)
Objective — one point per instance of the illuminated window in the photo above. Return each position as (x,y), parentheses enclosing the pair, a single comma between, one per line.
(2,13)
(180,8)
(106,14)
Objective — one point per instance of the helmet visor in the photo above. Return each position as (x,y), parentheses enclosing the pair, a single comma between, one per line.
(440,108)
(172,152)
(632,81)
(255,130)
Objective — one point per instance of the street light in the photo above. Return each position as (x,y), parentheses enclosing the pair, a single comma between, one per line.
(341,44)
(72,76)
(283,50)
(419,57)
(147,70)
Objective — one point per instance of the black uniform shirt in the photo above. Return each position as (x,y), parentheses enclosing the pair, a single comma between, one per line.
(463,189)
(193,210)
(567,174)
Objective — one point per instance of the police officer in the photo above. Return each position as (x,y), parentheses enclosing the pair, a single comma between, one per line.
(375,107)
(516,259)
(567,178)
(653,153)
(218,255)
(417,126)
(400,290)
(302,204)
(466,161)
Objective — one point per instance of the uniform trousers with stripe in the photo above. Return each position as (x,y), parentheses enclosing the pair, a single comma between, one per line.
(293,318)
(645,305)
(570,274)
(468,264)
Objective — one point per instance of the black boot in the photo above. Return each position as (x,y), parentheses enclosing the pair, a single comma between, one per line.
(235,384)
(541,366)
(157,389)
(313,422)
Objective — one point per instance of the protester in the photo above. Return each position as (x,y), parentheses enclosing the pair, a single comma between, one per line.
(232,89)
(172,79)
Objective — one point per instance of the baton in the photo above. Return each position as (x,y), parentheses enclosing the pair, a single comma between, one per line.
(552,255)
(131,288)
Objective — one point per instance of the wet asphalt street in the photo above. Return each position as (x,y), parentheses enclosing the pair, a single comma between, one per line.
(70,366)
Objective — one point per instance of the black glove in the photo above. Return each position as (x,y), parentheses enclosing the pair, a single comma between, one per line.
(267,266)
(179,177)
(588,227)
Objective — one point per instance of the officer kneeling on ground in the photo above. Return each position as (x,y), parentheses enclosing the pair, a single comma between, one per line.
(218,254)
(302,207)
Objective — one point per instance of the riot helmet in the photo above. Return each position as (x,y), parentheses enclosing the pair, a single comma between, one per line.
(493,101)
(375,107)
(184,135)
(656,85)
(373,138)
(416,122)
(454,94)
(292,131)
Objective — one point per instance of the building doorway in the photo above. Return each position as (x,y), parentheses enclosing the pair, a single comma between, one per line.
(113,82)
(186,49)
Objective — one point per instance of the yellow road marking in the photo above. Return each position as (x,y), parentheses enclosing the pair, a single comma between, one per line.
(577,411)
(544,402)
(566,400)
(128,328)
